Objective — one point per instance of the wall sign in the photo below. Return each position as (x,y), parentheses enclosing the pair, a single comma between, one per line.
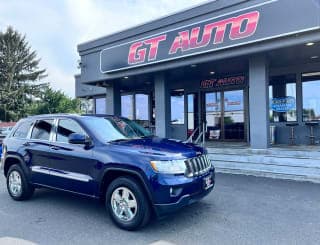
(284,104)
(222,82)
(266,20)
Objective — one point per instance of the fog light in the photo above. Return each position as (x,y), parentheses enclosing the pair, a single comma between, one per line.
(175,191)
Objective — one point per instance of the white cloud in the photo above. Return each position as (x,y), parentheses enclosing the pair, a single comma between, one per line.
(94,19)
(54,28)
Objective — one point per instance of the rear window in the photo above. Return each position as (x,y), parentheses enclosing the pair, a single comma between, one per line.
(42,129)
(22,130)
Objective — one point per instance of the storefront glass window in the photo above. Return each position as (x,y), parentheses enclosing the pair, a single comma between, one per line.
(234,115)
(101,106)
(282,99)
(142,107)
(213,115)
(86,106)
(127,106)
(177,106)
(311,96)
(191,112)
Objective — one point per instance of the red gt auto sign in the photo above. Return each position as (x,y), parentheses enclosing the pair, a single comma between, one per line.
(259,22)
(222,82)
(214,33)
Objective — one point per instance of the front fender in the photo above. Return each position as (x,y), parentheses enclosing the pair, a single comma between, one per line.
(141,174)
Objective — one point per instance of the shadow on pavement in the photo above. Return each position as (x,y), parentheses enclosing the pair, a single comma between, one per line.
(95,210)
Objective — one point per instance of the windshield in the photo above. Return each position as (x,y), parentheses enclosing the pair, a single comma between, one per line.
(104,130)
(129,128)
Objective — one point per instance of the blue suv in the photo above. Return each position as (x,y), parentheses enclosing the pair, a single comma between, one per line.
(137,175)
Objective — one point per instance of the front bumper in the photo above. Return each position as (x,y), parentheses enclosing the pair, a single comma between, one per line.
(188,196)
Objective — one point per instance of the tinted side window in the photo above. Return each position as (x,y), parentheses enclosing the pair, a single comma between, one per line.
(67,127)
(23,130)
(42,130)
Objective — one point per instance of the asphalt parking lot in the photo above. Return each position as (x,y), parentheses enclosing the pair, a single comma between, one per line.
(241,210)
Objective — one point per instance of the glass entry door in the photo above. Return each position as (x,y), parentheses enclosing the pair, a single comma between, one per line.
(213,112)
(192,114)
(224,115)
(234,115)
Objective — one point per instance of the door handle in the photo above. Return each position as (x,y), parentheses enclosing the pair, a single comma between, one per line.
(26,144)
(55,148)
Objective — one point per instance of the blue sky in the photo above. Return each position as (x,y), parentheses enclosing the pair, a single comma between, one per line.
(54,28)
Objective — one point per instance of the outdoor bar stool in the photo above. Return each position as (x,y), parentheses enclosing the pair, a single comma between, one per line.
(292,137)
(312,125)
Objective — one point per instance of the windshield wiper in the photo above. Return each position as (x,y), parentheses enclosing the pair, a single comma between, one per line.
(117,140)
(147,136)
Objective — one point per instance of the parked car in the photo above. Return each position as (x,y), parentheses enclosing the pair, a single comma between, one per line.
(135,177)
(0,148)
(5,128)
(2,136)
(5,131)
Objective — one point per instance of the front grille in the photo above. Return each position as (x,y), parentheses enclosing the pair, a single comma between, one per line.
(197,166)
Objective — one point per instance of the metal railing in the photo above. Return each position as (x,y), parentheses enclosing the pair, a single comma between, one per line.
(190,139)
(201,137)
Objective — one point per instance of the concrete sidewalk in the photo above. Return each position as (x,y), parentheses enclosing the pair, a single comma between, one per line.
(284,162)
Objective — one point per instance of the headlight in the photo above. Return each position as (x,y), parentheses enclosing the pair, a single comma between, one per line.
(169,167)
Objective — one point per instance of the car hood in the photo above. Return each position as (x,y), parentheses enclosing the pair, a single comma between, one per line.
(163,148)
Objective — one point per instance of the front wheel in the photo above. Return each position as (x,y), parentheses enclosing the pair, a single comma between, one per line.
(127,204)
(18,187)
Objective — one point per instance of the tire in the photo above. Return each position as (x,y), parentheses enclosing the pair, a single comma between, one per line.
(116,192)
(16,175)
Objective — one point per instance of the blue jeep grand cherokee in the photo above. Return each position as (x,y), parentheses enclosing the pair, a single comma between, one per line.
(92,156)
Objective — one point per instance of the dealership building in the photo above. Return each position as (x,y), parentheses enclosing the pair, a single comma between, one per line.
(235,72)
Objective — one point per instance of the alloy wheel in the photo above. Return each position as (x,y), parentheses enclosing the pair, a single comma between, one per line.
(124,204)
(15,183)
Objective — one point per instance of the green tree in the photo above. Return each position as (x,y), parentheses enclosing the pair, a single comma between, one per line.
(51,101)
(19,75)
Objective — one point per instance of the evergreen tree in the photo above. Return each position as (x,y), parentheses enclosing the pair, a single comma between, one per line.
(19,75)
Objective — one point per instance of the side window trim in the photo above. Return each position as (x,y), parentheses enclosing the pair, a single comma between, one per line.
(52,129)
(33,126)
(55,130)
(13,132)
(11,135)
(31,129)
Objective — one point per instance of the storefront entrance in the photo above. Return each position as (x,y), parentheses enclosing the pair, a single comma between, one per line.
(224,114)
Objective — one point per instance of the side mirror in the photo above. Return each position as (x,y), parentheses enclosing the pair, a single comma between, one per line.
(78,139)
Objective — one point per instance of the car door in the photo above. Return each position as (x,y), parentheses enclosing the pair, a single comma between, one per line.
(72,166)
(38,148)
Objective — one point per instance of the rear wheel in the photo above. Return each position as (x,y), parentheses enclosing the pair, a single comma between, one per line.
(18,187)
(127,204)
